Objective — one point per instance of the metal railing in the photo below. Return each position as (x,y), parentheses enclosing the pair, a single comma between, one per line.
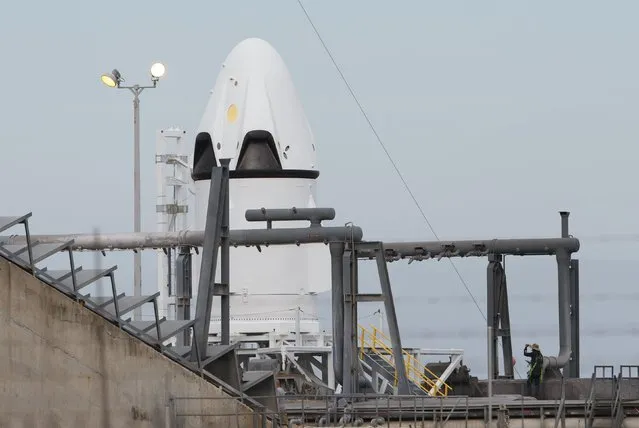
(386,411)
(219,411)
(599,373)
(326,410)
(416,372)
(626,372)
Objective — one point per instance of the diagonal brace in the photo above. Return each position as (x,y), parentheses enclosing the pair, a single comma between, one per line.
(389,305)
(210,247)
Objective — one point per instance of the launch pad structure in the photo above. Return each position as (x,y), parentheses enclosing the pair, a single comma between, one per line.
(253,174)
(356,368)
(254,143)
(347,248)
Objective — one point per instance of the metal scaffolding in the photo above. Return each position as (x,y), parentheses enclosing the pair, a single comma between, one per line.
(346,248)
(498,315)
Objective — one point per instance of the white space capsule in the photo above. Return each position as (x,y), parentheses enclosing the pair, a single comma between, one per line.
(255,118)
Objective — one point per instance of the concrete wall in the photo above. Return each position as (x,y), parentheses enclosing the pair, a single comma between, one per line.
(61,365)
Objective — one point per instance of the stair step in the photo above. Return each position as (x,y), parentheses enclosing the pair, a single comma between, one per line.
(386,370)
(55,275)
(83,277)
(182,351)
(20,253)
(9,222)
(125,303)
(168,329)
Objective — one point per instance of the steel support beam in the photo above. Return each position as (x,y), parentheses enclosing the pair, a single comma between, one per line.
(574,368)
(498,316)
(212,241)
(403,387)
(350,361)
(351,365)
(225,268)
(324,369)
(184,291)
(492,320)
(504,331)
(337,298)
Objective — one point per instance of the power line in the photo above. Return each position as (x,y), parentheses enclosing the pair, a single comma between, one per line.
(383,146)
(390,158)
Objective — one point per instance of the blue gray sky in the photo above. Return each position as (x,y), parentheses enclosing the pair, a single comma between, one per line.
(499,114)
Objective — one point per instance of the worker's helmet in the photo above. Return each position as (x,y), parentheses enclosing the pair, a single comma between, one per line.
(535,347)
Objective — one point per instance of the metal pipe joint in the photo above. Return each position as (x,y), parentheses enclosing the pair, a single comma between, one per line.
(563,256)
(314,215)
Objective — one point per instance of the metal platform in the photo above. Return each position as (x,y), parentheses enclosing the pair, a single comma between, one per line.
(417,409)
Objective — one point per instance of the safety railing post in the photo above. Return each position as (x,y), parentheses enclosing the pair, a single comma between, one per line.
(374,338)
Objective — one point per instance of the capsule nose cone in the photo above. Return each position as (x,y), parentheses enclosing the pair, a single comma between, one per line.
(253,49)
(257,57)
(254,96)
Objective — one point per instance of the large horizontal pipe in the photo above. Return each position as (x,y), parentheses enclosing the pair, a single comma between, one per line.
(477,248)
(286,236)
(195,238)
(314,215)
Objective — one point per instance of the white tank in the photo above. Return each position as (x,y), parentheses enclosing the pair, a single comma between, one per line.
(255,118)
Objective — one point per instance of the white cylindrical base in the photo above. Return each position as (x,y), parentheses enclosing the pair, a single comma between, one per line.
(268,285)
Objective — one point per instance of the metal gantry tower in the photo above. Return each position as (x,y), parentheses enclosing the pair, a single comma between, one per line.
(173,170)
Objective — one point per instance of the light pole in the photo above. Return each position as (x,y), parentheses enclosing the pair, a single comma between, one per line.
(115,80)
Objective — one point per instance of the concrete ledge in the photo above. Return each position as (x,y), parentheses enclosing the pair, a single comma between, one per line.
(576,389)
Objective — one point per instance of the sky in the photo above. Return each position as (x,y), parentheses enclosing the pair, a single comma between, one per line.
(498,115)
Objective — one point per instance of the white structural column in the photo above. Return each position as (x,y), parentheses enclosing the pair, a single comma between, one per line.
(173,171)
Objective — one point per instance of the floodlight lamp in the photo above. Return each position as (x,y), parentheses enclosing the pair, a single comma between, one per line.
(157,70)
(112,79)
(108,80)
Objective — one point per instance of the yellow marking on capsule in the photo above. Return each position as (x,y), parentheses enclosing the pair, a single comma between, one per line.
(231,113)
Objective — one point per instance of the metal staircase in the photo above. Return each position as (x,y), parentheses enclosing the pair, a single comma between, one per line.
(618,414)
(220,366)
(379,372)
(600,375)
(613,400)
(376,355)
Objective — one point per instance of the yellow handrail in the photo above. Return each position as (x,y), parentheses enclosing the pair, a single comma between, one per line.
(411,357)
(412,372)
(415,371)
